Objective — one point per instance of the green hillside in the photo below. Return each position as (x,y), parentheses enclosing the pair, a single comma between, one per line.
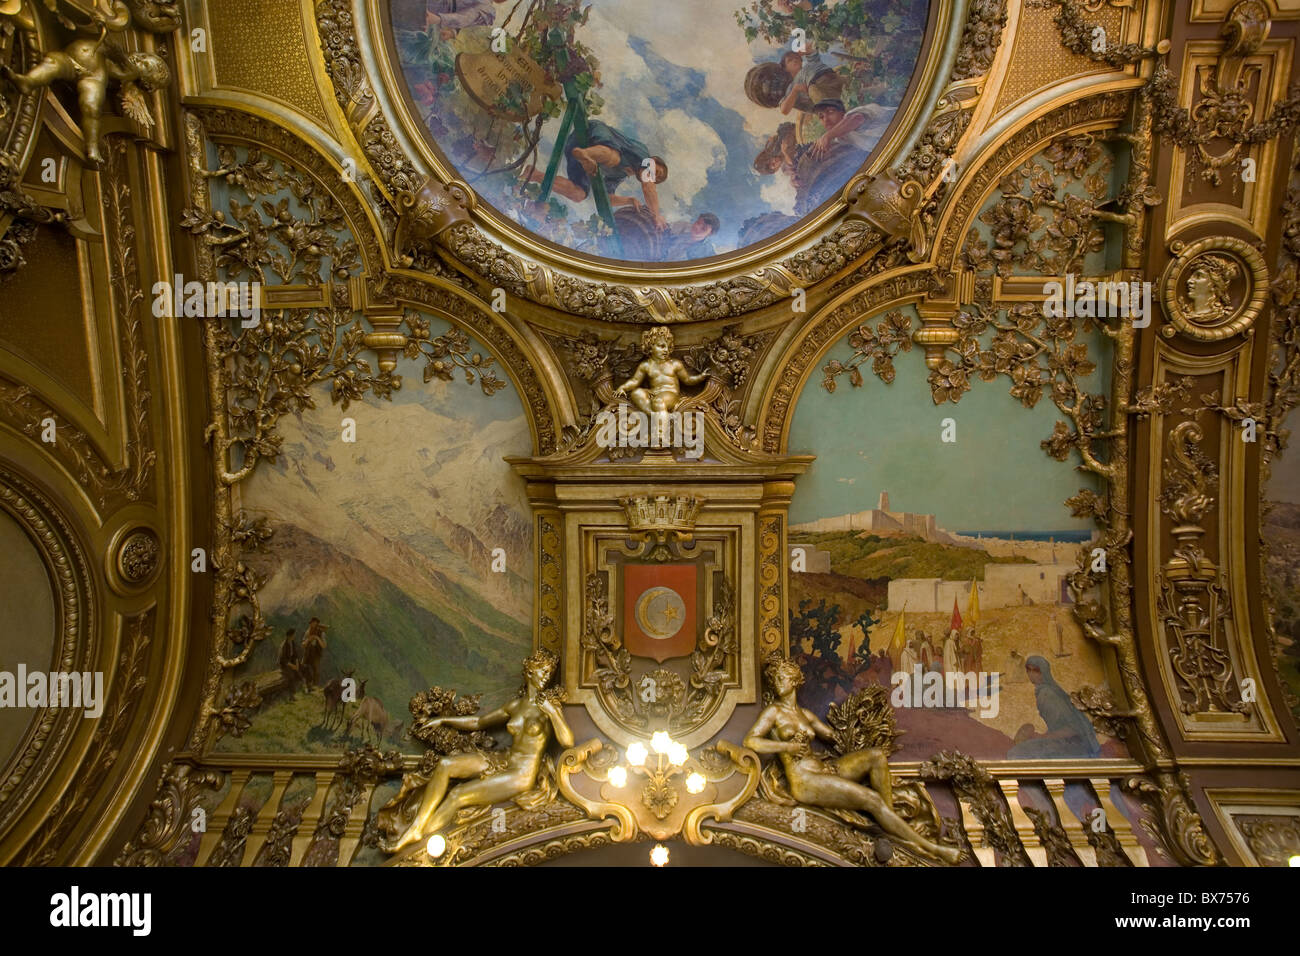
(383,636)
(866,556)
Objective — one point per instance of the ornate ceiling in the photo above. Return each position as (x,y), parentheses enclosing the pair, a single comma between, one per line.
(334,340)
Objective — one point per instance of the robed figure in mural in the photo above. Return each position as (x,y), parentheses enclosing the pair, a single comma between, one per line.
(1069,732)
(532,719)
(787,730)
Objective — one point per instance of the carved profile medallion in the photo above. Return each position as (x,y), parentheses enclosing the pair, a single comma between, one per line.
(1214,288)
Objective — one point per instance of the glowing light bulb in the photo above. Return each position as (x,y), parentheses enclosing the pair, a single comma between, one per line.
(677,754)
(659,855)
(636,754)
(436,846)
(660,741)
(1294,861)
(694,782)
(618,776)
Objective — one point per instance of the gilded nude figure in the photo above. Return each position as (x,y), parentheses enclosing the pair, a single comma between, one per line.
(530,718)
(788,730)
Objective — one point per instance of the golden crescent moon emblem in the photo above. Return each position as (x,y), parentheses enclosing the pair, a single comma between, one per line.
(660,612)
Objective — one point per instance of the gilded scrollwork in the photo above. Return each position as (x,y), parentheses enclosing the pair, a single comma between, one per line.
(976,786)
(168,826)
(1193,600)
(1174,822)
(1224,112)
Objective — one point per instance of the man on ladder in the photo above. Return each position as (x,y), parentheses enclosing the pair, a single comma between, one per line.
(592,146)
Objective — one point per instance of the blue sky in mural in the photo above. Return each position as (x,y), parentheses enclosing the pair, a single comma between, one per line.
(676,79)
(879,437)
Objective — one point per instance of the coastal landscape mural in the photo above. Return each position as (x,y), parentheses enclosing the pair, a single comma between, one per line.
(919,556)
(657,132)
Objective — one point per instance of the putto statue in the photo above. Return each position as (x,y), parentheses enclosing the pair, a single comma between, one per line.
(93,62)
(531,718)
(831,783)
(664,375)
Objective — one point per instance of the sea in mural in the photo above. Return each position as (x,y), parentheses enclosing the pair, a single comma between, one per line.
(382,564)
(1280,530)
(657,131)
(945,561)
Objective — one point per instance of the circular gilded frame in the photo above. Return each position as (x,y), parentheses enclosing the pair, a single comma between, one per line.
(1214,259)
(924,94)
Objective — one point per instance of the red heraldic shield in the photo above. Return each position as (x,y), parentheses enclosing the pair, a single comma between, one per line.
(659,610)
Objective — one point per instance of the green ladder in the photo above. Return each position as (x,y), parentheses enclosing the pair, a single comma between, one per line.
(574,123)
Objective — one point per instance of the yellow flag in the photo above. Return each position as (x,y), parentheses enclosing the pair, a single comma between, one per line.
(973,606)
(900,639)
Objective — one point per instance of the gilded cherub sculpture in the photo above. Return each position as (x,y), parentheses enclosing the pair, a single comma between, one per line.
(663,374)
(532,718)
(831,783)
(94,62)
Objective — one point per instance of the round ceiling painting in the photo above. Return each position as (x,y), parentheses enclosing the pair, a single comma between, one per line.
(657,130)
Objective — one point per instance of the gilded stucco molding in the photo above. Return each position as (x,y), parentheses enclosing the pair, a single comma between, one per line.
(167,829)
(106,745)
(27,411)
(50,733)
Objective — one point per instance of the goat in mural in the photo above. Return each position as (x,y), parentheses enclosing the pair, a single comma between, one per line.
(333,694)
(370,713)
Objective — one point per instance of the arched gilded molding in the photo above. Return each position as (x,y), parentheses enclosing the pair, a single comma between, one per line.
(381,284)
(933,279)
(800,356)
(77,647)
(1104,109)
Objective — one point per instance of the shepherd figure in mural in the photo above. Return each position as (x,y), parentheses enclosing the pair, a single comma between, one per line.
(313,649)
(1069,732)
(788,730)
(290,661)
(532,718)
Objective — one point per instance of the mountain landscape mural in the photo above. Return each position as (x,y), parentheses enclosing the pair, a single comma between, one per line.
(389,543)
